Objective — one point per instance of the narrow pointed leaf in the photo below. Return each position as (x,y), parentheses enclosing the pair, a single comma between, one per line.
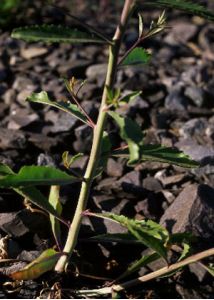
(190,7)
(138,56)
(54,201)
(44,263)
(131,132)
(66,106)
(37,198)
(209,268)
(148,232)
(104,154)
(138,264)
(159,153)
(36,175)
(55,34)
(167,155)
(125,238)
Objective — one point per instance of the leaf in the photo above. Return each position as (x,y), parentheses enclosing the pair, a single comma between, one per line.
(5,170)
(185,252)
(209,269)
(45,262)
(69,160)
(54,201)
(38,199)
(129,97)
(104,154)
(138,264)
(167,155)
(131,133)
(148,232)
(55,34)
(36,175)
(66,106)
(137,56)
(159,153)
(140,26)
(125,238)
(190,7)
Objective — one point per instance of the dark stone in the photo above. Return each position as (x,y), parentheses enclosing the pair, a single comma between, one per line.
(193,211)
(195,94)
(83,134)
(176,100)
(17,224)
(152,184)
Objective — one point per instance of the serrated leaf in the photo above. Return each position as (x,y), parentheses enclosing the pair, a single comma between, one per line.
(129,97)
(137,56)
(5,170)
(131,132)
(54,201)
(66,106)
(148,232)
(44,263)
(167,155)
(186,6)
(55,34)
(159,153)
(36,175)
(104,154)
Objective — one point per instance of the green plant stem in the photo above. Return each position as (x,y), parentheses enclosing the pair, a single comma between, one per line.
(97,138)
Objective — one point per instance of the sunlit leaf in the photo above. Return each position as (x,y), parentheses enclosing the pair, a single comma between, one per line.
(36,175)
(131,132)
(167,155)
(55,34)
(68,160)
(148,232)
(66,106)
(159,153)
(191,7)
(55,203)
(137,56)
(45,262)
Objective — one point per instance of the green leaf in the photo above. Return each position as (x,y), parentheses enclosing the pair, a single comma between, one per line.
(209,269)
(190,7)
(138,264)
(129,97)
(66,106)
(54,201)
(148,232)
(69,160)
(104,154)
(44,263)
(37,198)
(55,34)
(159,153)
(125,238)
(131,133)
(137,56)
(167,155)
(36,175)
(5,170)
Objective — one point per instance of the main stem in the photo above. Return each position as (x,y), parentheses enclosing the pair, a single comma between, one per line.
(97,138)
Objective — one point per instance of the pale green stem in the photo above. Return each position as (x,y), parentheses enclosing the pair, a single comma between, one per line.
(97,138)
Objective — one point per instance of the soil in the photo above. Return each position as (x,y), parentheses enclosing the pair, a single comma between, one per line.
(175,109)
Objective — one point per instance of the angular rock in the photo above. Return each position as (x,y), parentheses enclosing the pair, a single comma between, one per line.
(32,52)
(195,94)
(17,224)
(193,127)
(114,168)
(193,211)
(176,100)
